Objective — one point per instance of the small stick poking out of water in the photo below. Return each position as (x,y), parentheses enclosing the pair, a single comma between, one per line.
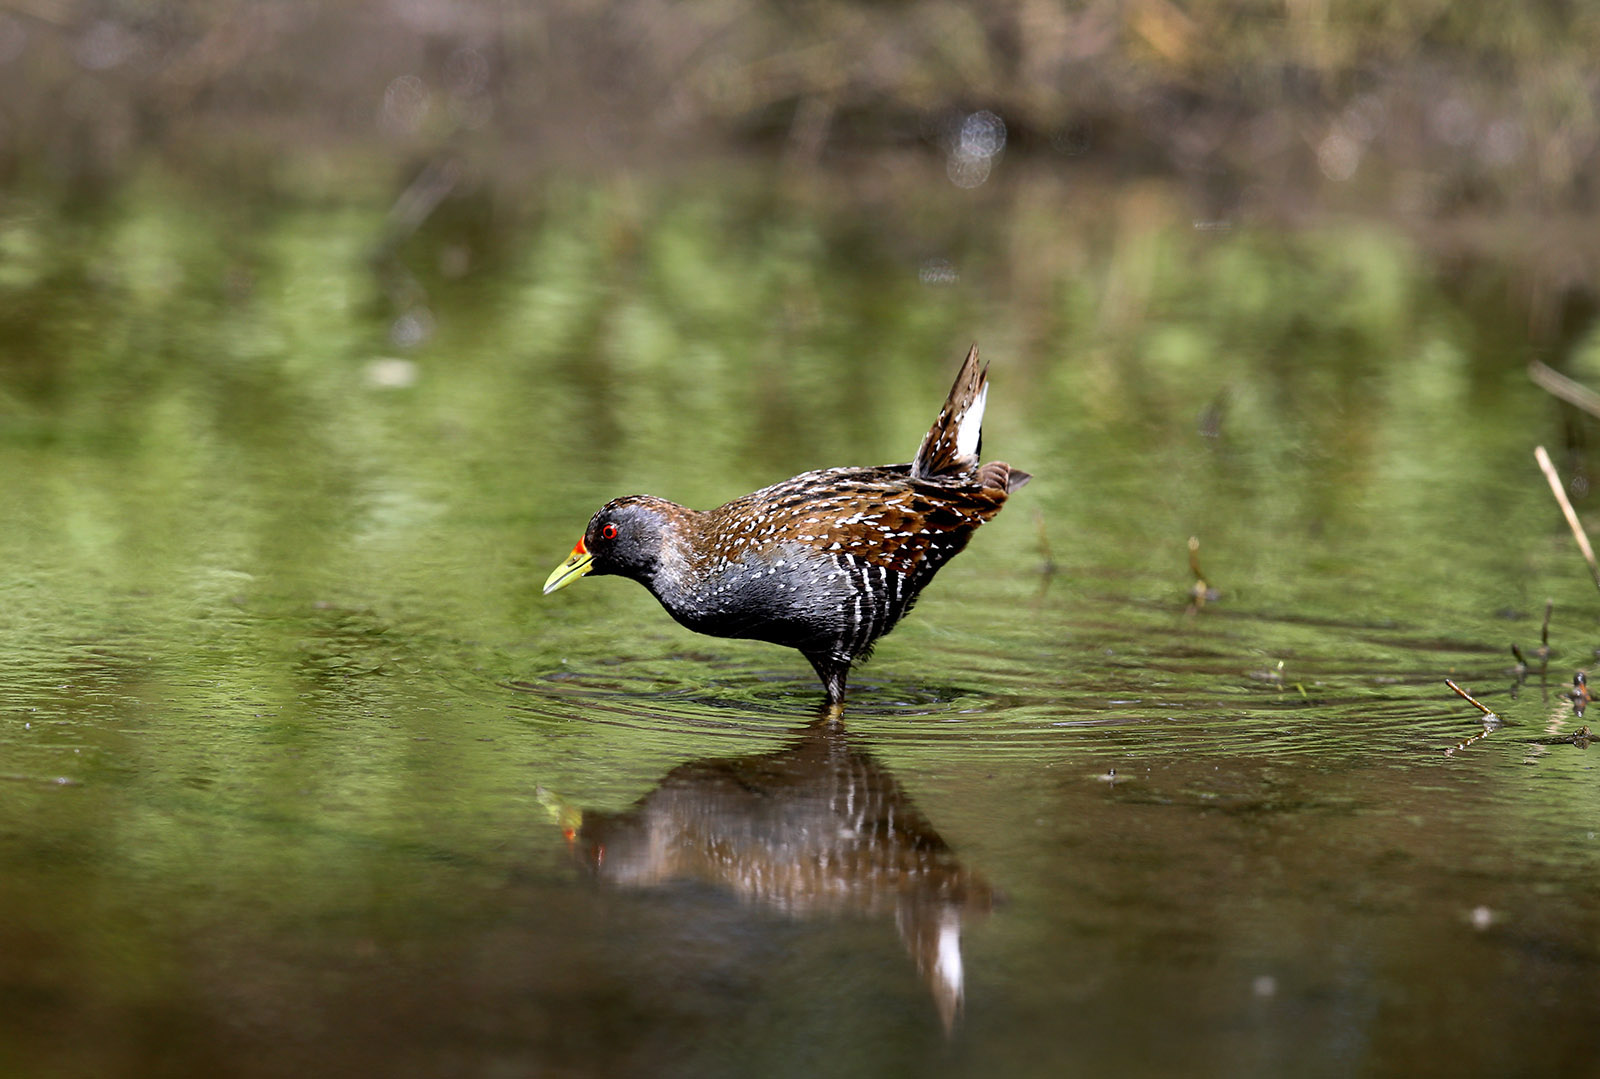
(1470,699)
(1524,668)
(1567,511)
(1200,593)
(1491,722)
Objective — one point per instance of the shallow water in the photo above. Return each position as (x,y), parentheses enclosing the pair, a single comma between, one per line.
(302,773)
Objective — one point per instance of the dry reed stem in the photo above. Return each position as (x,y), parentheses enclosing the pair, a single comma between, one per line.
(1567,511)
(1470,699)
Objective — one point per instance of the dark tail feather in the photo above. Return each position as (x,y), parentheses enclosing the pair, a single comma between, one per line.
(950,449)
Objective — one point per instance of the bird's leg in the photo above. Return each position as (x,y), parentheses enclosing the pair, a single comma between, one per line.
(833,670)
(830,718)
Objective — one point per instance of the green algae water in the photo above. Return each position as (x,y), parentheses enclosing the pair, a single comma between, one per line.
(299,772)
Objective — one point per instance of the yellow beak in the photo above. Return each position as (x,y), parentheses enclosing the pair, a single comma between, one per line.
(576,565)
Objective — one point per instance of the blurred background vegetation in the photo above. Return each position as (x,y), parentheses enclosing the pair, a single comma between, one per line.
(1425,108)
(905,127)
(228,230)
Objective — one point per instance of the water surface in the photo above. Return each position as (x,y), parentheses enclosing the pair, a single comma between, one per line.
(302,773)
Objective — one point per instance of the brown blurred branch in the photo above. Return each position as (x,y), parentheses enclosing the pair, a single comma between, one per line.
(1573,393)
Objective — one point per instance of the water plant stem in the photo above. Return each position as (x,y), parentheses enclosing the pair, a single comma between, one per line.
(1567,511)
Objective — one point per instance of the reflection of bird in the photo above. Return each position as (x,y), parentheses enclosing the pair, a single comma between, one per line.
(817,828)
(826,562)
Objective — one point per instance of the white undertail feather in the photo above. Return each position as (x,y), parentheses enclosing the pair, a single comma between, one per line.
(969,426)
(951,447)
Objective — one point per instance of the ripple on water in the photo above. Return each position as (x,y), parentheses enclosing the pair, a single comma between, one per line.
(698,690)
(1244,685)
(1046,683)
(1250,683)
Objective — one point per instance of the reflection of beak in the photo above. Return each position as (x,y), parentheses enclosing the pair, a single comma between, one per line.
(576,565)
(568,817)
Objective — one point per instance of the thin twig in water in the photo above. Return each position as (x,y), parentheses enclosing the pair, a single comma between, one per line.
(1520,671)
(1542,653)
(1200,593)
(1525,667)
(1491,722)
(1567,511)
(1470,699)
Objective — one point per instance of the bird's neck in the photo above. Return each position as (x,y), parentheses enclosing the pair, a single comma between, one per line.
(670,577)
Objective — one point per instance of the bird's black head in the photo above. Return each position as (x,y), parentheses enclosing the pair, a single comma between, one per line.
(628,535)
(628,538)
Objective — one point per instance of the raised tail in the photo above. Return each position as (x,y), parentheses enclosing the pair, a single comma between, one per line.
(951,447)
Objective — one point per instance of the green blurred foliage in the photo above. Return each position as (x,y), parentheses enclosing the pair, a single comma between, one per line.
(214,363)
(1425,107)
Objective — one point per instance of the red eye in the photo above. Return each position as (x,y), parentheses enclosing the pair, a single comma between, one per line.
(608,531)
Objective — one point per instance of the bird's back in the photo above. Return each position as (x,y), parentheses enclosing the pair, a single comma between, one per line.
(828,560)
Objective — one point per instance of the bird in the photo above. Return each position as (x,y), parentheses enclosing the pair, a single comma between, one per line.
(826,562)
